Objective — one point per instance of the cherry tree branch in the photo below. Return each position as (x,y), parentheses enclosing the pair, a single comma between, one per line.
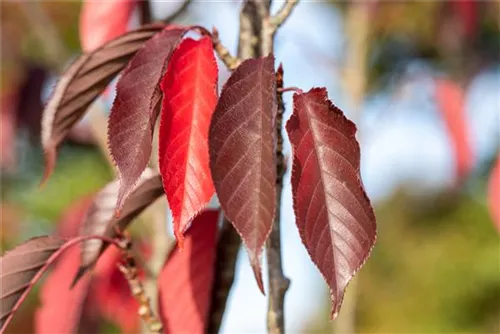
(231,62)
(130,271)
(145,11)
(280,17)
(278,283)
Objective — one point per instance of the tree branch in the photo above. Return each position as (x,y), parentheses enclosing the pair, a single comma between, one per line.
(145,12)
(130,271)
(280,17)
(223,53)
(278,283)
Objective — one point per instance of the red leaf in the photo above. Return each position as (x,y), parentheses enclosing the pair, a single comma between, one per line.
(185,283)
(101,21)
(136,107)
(190,95)
(450,100)
(242,153)
(494,194)
(333,213)
(80,85)
(62,307)
(112,293)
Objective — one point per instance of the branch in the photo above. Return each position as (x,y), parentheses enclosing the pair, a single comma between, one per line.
(177,13)
(278,283)
(130,271)
(145,11)
(277,20)
(223,53)
(227,252)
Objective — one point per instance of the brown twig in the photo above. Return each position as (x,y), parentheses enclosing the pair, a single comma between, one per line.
(145,11)
(278,283)
(231,62)
(130,271)
(228,246)
(280,17)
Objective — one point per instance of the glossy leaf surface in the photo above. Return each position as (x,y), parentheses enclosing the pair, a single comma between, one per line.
(190,95)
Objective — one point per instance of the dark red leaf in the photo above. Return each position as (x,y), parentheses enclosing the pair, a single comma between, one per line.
(333,213)
(80,85)
(136,107)
(21,268)
(451,102)
(190,95)
(62,307)
(494,194)
(101,21)
(242,153)
(185,283)
(100,220)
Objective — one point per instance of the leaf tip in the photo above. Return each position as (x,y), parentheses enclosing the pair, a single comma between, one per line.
(257,271)
(180,239)
(50,162)
(79,274)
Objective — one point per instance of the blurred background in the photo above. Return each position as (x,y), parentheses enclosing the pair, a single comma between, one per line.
(421,79)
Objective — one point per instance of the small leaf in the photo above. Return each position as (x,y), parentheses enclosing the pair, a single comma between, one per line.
(101,21)
(242,153)
(21,268)
(185,283)
(101,221)
(58,299)
(80,85)
(451,103)
(494,193)
(136,107)
(333,213)
(190,95)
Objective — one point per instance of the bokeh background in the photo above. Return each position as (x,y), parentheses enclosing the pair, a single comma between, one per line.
(421,79)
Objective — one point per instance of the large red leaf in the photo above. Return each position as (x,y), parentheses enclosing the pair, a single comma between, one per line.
(242,153)
(185,283)
(190,95)
(62,307)
(136,106)
(101,21)
(451,102)
(494,194)
(333,213)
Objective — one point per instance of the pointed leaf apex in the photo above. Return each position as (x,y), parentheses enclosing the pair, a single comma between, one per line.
(50,162)
(257,271)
